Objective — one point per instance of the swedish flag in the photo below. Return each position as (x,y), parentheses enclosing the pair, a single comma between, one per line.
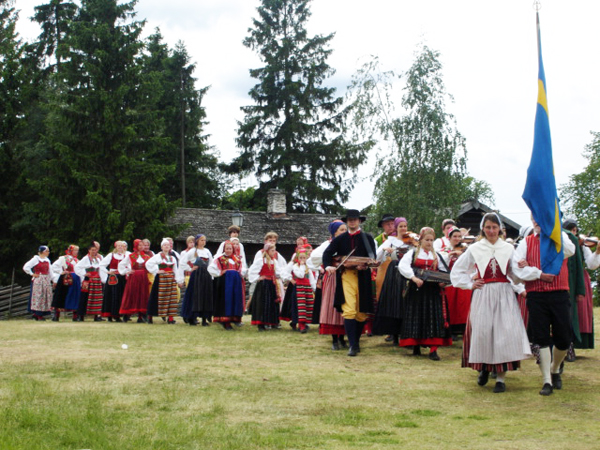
(540,189)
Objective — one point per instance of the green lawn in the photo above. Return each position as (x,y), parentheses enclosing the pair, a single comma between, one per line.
(72,386)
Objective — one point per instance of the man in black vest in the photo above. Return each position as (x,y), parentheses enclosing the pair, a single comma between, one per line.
(354,291)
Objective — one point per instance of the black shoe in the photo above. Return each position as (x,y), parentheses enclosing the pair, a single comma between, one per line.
(149,319)
(335,346)
(395,340)
(172,322)
(556,381)
(546,389)
(239,324)
(261,328)
(98,319)
(389,338)
(118,319)
(185,320)
(500,387)
(228,327)
(293,326)
(164,319)
(304,331)
(126,318)
(110,319)
(416,350)
(54,318)
(434,356)
(141,320)
(343,343)
(483,378)
(205,324)
(353,351)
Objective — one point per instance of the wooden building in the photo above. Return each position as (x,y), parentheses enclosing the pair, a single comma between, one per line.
(470,215)
(214,224)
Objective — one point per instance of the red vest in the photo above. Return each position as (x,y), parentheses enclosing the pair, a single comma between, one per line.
(560,283)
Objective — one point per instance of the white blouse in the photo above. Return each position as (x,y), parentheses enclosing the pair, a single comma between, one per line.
(391,242)
(29,265)
(153,263)
(85,263)
(405,266)
(106,262)
(255,268)
(592,259)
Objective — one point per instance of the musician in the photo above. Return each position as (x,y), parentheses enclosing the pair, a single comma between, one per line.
(354,294)
(495,339)
(459,300)
(440,243)
(582,304)
(548,303)
(424,321)
(387,223)
(388,319)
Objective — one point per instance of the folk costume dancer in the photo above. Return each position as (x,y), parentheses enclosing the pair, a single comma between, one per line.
(424,320)
(388,318)
(458,300)
(40,297)
(331,321)
(114,282)
(586,310)
(67,283)
(549,306)
(234,233)
(354,292)
(265,272)
(88,269)
(164,296)
(137,288)
(298,305)
(228,293)
(198,300)
(440,243)
(495,338)
(270,238)
(190,243)
(579,288)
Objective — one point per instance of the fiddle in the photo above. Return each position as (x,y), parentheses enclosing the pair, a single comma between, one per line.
(468,239)
(588,241)
(410,238)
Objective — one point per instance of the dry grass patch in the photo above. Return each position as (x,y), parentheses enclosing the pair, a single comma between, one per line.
(71,385)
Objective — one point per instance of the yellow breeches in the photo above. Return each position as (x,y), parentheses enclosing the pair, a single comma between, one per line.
(350,286)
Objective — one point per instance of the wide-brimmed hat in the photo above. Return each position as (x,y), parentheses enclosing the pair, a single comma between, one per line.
(353,214)
(385,218)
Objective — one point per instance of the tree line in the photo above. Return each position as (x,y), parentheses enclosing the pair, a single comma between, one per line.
(102,131)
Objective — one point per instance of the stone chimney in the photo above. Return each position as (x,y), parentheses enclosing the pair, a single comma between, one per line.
(276,202)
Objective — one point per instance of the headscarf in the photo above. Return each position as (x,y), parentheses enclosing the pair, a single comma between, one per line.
(42,248)
(397,221)
(334,226)
(69,250)
(486,216)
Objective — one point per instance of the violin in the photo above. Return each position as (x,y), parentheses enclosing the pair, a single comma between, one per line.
(588,241)
(468,239)
(410,238)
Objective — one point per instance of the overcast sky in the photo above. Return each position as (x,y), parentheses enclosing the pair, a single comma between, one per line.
(489,56)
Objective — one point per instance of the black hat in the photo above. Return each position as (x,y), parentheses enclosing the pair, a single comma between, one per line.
(353,214)
(385,218)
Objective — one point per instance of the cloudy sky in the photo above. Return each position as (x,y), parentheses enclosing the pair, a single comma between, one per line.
(489,56)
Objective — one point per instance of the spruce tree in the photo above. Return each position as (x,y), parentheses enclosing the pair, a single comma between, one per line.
(292,137)
(99,176)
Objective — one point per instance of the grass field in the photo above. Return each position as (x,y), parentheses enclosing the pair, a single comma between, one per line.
(72,386)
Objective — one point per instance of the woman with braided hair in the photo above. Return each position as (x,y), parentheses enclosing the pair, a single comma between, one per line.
(264,306)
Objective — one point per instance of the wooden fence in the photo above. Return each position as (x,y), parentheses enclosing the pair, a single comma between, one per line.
(13,301)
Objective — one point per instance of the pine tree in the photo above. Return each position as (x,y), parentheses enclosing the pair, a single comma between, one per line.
(292,137)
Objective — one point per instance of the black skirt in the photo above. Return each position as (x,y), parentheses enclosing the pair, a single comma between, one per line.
(264,307)
(388,318)
(198,300)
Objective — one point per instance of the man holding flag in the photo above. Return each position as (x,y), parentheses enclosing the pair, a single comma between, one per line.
(540,259)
